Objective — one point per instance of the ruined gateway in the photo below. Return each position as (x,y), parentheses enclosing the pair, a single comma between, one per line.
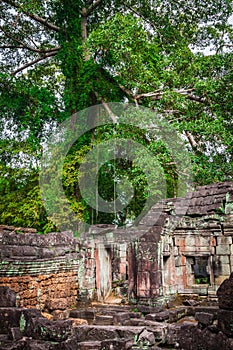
(181,253)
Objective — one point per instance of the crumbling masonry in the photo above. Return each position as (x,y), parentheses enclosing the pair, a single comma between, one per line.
(186,254)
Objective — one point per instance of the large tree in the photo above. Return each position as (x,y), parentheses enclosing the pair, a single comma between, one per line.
(59,57)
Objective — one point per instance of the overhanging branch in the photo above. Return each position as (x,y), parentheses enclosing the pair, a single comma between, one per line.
(29,64)
(23,45)
(39,19)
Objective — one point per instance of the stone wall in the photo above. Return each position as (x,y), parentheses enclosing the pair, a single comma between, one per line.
(187,252)
(190,254)
(41,269)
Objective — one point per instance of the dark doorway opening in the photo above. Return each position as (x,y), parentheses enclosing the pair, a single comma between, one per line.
(200,267)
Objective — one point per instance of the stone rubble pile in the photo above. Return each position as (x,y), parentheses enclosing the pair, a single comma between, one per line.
(186,327)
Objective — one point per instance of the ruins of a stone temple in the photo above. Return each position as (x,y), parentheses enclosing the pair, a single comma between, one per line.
(184,253)
(181,251)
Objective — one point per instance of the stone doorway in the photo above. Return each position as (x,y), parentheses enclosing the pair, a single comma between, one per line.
(103,272)
(201,273)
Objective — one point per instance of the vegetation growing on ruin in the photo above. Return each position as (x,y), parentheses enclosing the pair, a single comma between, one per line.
(59,57)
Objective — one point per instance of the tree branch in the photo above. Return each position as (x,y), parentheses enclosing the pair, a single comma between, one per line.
(157,95)
(107,108)
(126,91)
(29,64)
(197,99)
(30,48)
(196,145)
(39,19)
(93,7)
(22,45)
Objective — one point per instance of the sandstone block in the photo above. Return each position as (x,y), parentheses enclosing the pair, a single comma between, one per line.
(135,314)
(32,344)
(208,309)
(129,332)
(221,240)
(223,249)
(220,279)
(90,345)
(7,297)
(87,314)
(171,336)
(45,329)
(160,316)
(78,321)
(223,259)
(225,294)
(225,322)
(225,269)
(204,318)
(120,317)
(103,320)
(15,334)
(147,337)
(58,303)
(149,309)
(211,341)
(110,344)
(84,332)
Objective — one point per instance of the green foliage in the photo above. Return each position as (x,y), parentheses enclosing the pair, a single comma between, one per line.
(63,56)
(22,205)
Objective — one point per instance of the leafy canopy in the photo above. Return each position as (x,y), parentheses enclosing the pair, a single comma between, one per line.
(59,57)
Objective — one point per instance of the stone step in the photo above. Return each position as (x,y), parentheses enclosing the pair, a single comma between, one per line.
(103,320)
(100,332)
(90,345)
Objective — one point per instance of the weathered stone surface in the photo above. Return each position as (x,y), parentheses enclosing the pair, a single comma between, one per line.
(9,318)
(225,322)
(90,345)
(160,316)
(135,322)
(135,314)
(229,344)
(212,341)
(129,332)
(78,321)
(223,249)
(187,336)
(204,318)
(51,330)
(90,332)
(225,294)
(172,334)
(7,297)
(27,321)
(151,268)
(120,317)
(15,333)
(87,314)
(147,337)
(111,344)
(190,302)
(103,320)
(208,309)
(144,309)
(20,345)
(46,292)
(38,345)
